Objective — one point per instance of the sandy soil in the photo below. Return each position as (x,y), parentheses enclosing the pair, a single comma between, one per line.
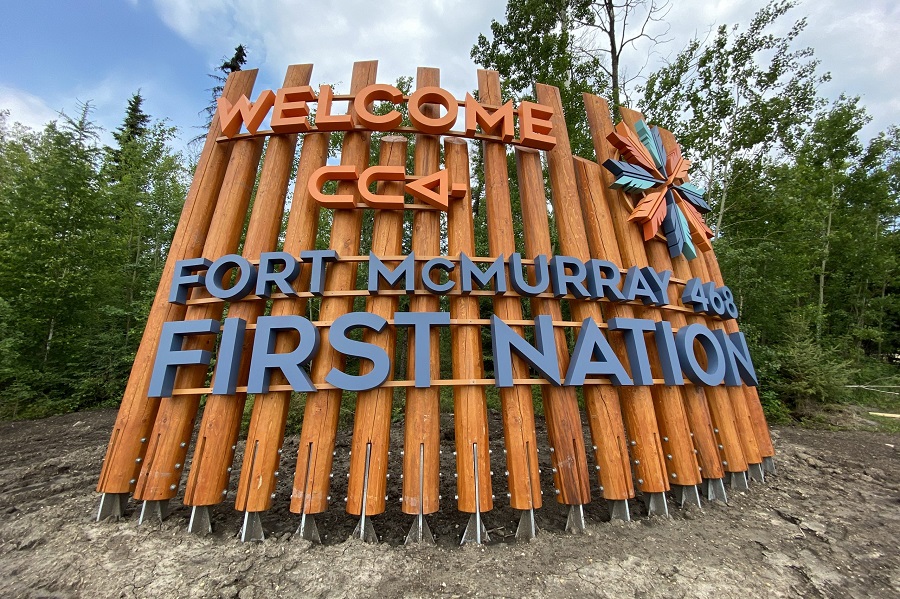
(827,525)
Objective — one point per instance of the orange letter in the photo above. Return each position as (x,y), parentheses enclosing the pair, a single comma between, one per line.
(332,173)
(432,95)
(376,122)
(381,173)
(291,109)
(252,115)
(324,120)
(500,123)
(535,126)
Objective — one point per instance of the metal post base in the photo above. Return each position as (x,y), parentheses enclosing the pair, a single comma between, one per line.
(419,532)
(575,522)
(618,510)
(714,489)
(200,523)
(252,529)
(527,529)
(475,531)
(737,481)
(686,495)
(154,510)
(364,531)
(757,473)
(112,505)
(769,464)
(656,504)
(308,529)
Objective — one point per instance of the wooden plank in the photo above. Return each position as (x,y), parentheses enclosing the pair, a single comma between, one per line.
(213,454)
(636,402)
(596,197)
(564,429)
(754,406)
(320,418)
(469,402)
(630,241)
(516,402)
(137,412)
(421,436)
(265,435)
(372,422)
(167,445)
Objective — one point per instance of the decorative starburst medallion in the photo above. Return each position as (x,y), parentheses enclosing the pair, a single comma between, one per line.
(662,196)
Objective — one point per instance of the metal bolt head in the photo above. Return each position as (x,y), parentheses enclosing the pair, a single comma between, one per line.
(715,430)
(552,450)
(177,466)
(132,481)
(172,487)
(601,489)
(508,495)
(724,463)
(666,439)
(143,439)
(233,447)
(224,492)
(456,497)
(139,460)
(229,469)
(277,473)
(674,475)
(640,481)
(553,470)
(183,444)
(388,475)
(721,446)
(633,443)
(668,456)
(506,473)
(557,491)
(597,467)
(273,495)
(637,462)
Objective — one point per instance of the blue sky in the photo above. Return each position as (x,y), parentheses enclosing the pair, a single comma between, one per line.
(57,51)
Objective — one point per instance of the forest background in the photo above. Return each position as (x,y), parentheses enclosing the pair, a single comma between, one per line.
(805,212)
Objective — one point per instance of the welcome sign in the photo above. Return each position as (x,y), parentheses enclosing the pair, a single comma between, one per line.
(616,313)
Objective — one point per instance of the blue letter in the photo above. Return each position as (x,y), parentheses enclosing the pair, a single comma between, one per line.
(183,278)
(422,323)
(635,345)
(668,354)
(469,270)
(603,280)
(318,258)
(659,282)
(381,364)
(169,355)
(562,282)
(378,270)
(519,280)
(543,359)
(737,359)
(264,359)
(684,341)
(268,276)
(245,282)
(593,355)
(228,361)
(429,283)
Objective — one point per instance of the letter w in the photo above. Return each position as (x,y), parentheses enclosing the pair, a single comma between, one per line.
(243,111)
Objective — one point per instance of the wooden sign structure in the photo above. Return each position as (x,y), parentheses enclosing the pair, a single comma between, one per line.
(650,437)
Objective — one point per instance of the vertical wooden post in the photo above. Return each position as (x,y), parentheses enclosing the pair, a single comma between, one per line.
(469,401)
(637,403)
(421,438)
(719,402)
(681,462)
(168,443)
(137,412)
(372,423)
(516,402)
(265,435)
(564,430)
(220,425)
(320,419)
(754,407)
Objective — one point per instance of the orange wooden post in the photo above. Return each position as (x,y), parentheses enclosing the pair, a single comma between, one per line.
(320,418)
(421,436)
(516,402)
(265,436)
(637,403)
(367,484)
(721,411)
(137,412)
(167,445)
(473,463)
(220,425)
(560,403)
(757,417)
(681,462)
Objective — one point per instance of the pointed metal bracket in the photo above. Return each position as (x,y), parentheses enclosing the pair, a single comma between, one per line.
(475,531)
(737,481)
(619,510)
(252,529)
(308,529)
(714,489)
(527,529)
(575,521)
(769,464)
(112,505)
(154,510)
(757,473)
(364,530)
(419,532)
(656,504)
(686,495)
(200,523)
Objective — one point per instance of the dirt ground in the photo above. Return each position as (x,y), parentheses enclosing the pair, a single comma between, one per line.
(826,525)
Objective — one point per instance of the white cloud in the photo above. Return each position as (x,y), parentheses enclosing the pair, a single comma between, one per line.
(25,108)
(853,43)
